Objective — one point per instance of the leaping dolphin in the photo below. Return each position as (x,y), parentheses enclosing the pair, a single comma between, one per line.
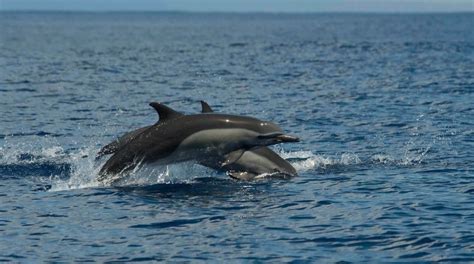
(201,137)
(253,162)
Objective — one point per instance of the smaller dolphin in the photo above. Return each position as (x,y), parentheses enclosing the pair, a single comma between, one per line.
(254,162)
(202,137)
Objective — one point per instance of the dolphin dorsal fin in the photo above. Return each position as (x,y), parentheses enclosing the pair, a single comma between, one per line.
(205,107)
(164,112)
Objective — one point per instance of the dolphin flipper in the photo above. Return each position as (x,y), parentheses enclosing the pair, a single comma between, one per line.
(233,157)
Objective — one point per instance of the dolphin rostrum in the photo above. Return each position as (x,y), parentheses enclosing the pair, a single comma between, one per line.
(253,162)
(200,137)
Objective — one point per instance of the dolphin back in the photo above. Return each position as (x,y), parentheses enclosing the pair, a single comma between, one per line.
(120,142)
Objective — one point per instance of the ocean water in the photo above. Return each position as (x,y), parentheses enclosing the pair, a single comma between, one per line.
(384,105)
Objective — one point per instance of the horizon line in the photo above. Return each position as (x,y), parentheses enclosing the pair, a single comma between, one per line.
(233,12)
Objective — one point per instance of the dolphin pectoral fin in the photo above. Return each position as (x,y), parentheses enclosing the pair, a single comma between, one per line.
(241,175)
(108,149)
(205,108)
(233,157)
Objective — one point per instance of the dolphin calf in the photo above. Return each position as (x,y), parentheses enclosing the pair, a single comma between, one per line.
(201,137)
(253,162)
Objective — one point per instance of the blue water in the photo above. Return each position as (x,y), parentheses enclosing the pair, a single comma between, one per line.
(384,105)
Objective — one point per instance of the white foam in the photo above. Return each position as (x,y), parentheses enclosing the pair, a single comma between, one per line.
(184,172)
(52,152)
(302,154)
(382,158)
(84,171)
(307,160)
(313,162)
(84,167)
(40,149)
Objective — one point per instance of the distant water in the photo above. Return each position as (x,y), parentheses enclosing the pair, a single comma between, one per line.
(384,105)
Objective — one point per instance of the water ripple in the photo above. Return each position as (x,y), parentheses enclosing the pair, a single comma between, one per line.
(383,104)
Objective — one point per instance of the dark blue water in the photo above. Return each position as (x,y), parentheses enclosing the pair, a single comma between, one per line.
(384,105)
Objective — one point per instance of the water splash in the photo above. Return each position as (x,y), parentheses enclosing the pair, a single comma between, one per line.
(78,168)
(84,171)
(184,172)
(39,149)
(306,160)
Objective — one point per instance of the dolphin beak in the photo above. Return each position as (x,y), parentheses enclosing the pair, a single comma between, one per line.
(287,138)
(279,137)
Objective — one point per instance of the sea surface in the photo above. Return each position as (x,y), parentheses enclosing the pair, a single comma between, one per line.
(383,103)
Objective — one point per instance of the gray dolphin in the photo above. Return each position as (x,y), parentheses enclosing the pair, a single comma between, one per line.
(253,162)
(120,142)
(201,137)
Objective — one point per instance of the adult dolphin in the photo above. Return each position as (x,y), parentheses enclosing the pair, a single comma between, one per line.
(253,162)
(201,137)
